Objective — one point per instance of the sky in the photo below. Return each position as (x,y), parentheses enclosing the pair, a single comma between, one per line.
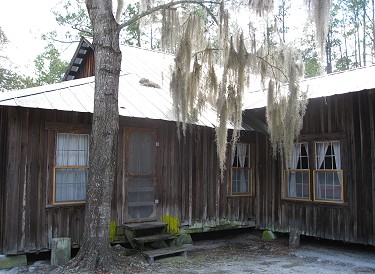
(23,22)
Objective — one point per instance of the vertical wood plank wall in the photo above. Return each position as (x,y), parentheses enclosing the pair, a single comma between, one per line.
(2,172)
(28,223)
(188,187)
(354,221)
(189,182)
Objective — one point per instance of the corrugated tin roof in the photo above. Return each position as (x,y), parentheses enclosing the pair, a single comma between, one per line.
(323,86)
(139,101)
(135,100)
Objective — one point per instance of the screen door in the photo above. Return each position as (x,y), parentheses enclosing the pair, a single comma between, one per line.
(140,174)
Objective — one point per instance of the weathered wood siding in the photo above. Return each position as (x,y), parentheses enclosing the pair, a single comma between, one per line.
(188,185)
(88,67)
(2,173)
(351,115)
(28,221)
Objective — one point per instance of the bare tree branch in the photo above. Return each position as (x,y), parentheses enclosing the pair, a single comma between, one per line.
(273,68)
(76,27)
(210,13)
(201,51)
(167,6)
(64,42)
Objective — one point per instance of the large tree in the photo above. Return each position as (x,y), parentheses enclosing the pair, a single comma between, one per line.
(207,67)
(73,18)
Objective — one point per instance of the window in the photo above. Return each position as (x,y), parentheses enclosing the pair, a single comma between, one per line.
(328,175)
(241,172)
(71,168)
(297,178)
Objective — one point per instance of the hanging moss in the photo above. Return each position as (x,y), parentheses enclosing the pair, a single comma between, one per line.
(170,30)
(320,12)
(286,103)
(261,6)
(218,76)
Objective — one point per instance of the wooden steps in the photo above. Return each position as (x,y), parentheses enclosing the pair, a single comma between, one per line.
(154,238)
(155,253)
(145,226)
(148,235)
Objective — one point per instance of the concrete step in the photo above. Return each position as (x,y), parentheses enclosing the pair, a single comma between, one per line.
(151,255)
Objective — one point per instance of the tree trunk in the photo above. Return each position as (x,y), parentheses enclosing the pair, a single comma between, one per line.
(357,24)
(95,251)
(346,48)
(329,51)
(364,33)
(373,28)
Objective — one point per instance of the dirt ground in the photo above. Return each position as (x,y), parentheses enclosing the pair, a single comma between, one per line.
(243,251)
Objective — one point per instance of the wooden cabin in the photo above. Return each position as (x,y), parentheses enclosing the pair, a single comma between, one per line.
(44,135)
(329,192)
(43,143)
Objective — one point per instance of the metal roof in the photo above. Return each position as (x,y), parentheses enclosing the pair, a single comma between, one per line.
(324,86)
(136,100)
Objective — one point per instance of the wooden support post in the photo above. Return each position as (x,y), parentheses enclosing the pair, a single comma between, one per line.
(61,251)
(294,238)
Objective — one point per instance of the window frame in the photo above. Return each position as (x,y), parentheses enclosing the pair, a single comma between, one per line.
(325,170)
(250,171)
(285,183)
(55,167)
(311,143)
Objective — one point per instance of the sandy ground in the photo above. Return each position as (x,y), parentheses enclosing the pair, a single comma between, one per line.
(245,252)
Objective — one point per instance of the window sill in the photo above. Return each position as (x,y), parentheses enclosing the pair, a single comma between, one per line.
(81,204)
(314,203)
(240,196)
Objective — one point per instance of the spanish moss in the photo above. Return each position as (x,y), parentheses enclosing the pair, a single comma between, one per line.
(215,72)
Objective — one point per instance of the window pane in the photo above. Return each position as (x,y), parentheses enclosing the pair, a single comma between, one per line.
(297,184)
(71,151)
(297,177)
(328,185)
(140,198)
(328,176)
(71,184)
(141,145)
(241,172)
(328,155)
(241,180)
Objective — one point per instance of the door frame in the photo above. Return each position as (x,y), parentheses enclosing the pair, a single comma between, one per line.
(127,176)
